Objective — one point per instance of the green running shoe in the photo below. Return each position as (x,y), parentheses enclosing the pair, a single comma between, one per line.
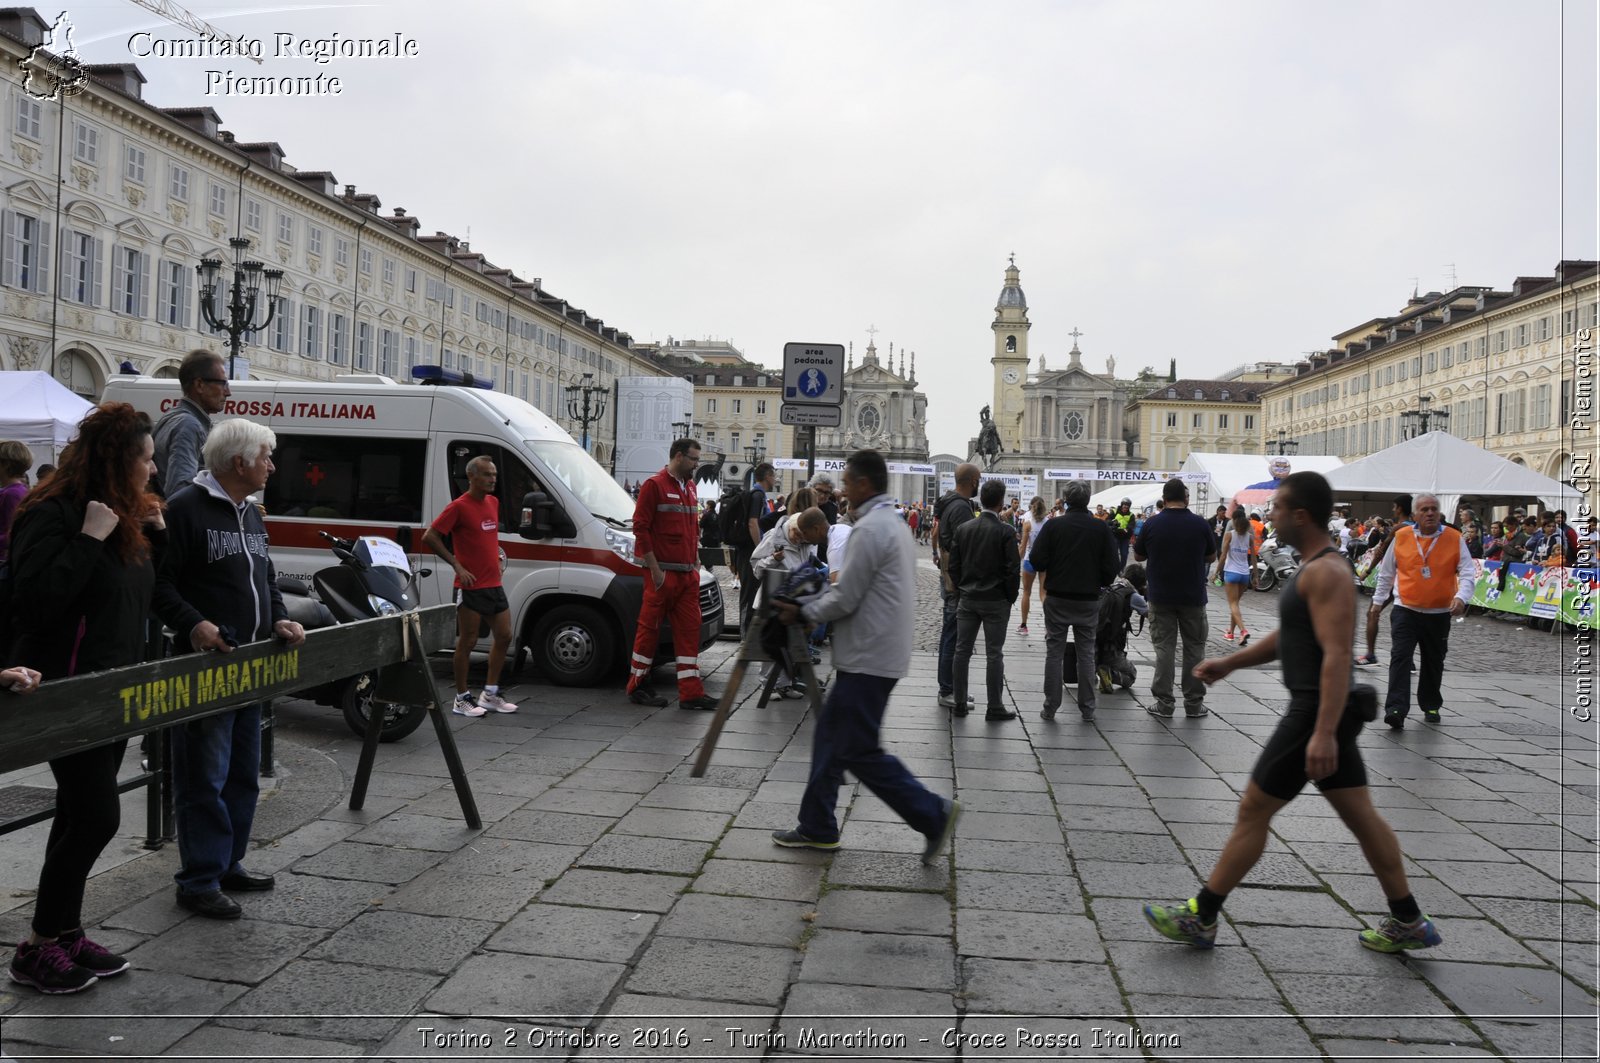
(1180,921)
(1394,936)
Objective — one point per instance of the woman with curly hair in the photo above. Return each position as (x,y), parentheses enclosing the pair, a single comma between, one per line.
(82,559)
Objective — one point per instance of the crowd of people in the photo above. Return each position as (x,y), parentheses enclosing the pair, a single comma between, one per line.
(122,540)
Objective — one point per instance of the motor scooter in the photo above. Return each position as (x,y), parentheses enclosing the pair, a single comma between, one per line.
(373,578)
(1276,562)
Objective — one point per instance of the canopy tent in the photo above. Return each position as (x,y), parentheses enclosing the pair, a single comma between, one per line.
(39,411)
(1233,473)
(1441,464)
(1144,496)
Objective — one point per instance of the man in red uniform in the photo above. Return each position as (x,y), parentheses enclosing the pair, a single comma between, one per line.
(667,529)
(473,524)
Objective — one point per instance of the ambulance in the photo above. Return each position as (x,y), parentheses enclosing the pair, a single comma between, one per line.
(366,456)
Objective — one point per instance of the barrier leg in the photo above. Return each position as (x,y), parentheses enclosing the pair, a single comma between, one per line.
(369,753)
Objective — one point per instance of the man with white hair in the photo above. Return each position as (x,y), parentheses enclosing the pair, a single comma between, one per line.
(216,587)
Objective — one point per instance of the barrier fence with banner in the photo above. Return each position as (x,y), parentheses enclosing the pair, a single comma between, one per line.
(1533,591)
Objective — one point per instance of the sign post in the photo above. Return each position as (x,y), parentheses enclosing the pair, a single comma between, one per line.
(813,391)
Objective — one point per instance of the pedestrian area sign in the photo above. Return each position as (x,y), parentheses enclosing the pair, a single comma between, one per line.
(813,374)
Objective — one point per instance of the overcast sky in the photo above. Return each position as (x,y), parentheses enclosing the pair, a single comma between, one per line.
(1220,182)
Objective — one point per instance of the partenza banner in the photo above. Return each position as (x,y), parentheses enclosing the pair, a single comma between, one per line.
(907,468)
(1152,476)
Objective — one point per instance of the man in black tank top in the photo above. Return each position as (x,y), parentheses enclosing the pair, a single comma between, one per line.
(1314,742)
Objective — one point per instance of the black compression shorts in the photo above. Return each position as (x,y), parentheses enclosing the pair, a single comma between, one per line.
(1281,769)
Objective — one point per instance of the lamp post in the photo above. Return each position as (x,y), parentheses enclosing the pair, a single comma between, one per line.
(684,427)
(237,315)
(1422,420)
(752,454)
(586,403)
(1283,447)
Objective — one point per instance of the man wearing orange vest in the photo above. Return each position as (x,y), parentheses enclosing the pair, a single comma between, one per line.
(1431,574)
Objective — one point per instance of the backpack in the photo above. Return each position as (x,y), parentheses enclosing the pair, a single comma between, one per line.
(1116,620)
(732,522)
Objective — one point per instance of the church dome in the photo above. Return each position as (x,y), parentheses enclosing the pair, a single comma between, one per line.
(1011,295)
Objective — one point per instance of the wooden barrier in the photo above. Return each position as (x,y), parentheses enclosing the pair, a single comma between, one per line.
(70,715)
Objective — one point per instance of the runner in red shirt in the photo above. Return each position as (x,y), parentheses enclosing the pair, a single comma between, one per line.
(666,527)
(473,524)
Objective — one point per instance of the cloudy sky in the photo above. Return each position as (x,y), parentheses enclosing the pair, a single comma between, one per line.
(1221,182)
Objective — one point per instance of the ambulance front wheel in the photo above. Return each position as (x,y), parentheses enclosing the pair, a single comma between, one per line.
(574,646)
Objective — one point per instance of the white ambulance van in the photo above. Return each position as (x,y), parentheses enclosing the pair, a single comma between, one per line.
(368,456)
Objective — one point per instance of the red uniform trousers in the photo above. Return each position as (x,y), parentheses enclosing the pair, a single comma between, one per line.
(679,598)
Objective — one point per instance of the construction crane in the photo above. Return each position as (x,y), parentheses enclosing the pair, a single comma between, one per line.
(188,20)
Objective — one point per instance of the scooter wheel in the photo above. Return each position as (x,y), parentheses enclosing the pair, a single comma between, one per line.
(1266,579)
(356,701)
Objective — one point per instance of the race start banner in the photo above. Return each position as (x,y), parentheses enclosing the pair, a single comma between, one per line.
(907,468)
(1145,476)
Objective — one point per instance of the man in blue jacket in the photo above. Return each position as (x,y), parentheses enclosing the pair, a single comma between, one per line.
(216,588)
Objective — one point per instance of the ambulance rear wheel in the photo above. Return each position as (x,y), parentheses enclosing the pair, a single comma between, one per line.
(574,646)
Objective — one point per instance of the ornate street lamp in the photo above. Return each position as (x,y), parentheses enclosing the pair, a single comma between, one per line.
(237,315)
(685,427)
(1423,419)
(586,403)
(1283,447)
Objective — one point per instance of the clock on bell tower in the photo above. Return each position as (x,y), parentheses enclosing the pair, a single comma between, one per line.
(1010,359)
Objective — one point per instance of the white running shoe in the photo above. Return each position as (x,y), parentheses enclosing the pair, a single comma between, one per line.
(465,706)
(494,703)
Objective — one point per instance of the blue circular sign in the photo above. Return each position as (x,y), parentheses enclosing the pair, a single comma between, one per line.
(813,382)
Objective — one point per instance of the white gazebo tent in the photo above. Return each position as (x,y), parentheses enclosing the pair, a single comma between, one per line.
(1441,464)
(1232,473)
(1143,494)
(39,411)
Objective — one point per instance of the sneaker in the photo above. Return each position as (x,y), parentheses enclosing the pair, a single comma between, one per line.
(1022,629)
(793,839)
(1366,659)
(643,695)
(466,706)
(1157,709)
(1107,683)
(1244,638)
(937,842)
(1180,921)
(1194,712)
(96,959)
(1431,715)
(1227,636)
(1395,721)
(495,703)
(1394,936)
(948,701)
(47,968)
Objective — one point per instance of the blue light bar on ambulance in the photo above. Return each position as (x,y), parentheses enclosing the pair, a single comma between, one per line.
(435,374)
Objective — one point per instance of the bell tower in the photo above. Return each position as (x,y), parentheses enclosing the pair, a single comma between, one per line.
(1010,359)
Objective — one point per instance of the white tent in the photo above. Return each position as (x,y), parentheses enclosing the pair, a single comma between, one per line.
(1439,463)
(37,410)
(1143,494)
(1232,473)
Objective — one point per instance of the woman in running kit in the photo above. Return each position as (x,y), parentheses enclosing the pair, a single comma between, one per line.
(1037,515)
(1235,561)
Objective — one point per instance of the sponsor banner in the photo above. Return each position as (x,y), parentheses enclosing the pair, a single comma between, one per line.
(1565,594)
(904,468)
(1152,476)
(1023,486)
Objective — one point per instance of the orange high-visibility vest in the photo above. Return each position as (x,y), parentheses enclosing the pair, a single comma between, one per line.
(1438,590)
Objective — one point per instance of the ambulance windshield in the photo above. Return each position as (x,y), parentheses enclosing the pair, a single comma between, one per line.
(592,485)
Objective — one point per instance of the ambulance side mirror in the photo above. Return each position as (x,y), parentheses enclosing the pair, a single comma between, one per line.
(540,515)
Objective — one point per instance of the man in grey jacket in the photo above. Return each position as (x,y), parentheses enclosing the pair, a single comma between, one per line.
(182,430)
(873,604)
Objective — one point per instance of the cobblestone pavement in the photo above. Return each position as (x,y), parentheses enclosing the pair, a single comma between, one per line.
(612,906)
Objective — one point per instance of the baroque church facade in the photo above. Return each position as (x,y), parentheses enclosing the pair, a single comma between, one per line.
(882,410)
(1066,417)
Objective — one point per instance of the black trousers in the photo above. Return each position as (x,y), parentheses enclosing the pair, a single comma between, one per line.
(88,812)
(1409,631)
(747,583)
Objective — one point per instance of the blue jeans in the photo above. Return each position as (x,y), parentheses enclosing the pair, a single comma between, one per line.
(215,785)
(947,642)
(846,739)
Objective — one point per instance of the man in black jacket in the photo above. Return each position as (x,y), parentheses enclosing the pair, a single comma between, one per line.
(1076,555)
(953,509)
(986,570)
(216,588)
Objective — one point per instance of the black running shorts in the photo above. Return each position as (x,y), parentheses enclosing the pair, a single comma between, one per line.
(1281,769)
(490,601)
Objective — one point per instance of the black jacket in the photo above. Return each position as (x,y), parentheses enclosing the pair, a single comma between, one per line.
(216,566)
(76,607)
(984,564)
(1077,555)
